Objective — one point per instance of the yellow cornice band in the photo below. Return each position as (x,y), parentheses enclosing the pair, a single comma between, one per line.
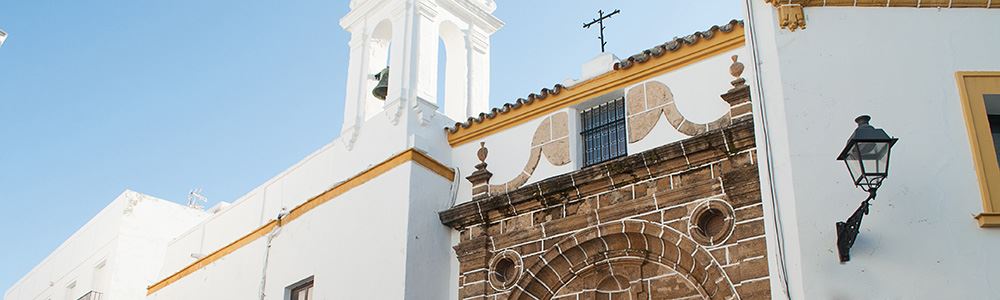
(688,54)
(359,179)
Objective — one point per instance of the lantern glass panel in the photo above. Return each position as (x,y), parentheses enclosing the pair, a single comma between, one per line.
(868,163)
(854,166)
(874,156)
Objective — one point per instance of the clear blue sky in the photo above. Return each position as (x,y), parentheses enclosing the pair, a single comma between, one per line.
(165,96)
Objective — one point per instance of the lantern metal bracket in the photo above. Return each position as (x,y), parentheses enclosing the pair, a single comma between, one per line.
(848,231)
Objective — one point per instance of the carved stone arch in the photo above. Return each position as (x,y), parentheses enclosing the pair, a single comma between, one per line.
(607,243)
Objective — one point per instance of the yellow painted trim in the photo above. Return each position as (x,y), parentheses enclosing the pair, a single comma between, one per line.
(971,87)
(988,219)
(359,179)
(433,165)
(688,54)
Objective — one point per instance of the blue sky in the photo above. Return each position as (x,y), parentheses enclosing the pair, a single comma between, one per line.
(165,96)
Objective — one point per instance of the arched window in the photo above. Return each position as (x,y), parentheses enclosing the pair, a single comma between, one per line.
(379,52)
(454,82)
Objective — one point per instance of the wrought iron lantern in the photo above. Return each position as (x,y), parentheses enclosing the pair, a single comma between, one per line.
(867,158)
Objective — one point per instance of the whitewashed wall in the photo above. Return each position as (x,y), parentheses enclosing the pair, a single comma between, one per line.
(896,64)
(117,253)
(377,141)
(380,240)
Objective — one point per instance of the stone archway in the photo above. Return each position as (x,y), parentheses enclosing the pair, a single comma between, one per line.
(638,250)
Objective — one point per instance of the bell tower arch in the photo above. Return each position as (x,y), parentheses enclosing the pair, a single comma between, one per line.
(404,35)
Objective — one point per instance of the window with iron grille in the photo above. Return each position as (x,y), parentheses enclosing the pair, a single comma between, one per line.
(603,132)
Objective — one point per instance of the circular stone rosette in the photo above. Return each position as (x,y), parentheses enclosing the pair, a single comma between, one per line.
(711,222)
(505,270)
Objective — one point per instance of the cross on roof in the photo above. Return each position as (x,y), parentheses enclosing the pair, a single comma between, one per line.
(600,22)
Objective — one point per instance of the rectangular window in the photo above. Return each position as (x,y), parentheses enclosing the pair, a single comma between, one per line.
(302,290)
(980,92)
(603,132)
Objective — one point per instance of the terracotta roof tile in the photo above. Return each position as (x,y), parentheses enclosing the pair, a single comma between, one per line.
(675,45)
(642,57)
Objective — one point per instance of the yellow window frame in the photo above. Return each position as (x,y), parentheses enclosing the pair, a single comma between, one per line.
(972,86)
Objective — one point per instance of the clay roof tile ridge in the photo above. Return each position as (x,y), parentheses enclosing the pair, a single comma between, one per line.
(659,50)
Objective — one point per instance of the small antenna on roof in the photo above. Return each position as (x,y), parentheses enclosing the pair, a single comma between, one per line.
(195,197)
(600,21)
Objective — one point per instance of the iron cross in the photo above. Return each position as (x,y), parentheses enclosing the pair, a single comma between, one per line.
(600,22)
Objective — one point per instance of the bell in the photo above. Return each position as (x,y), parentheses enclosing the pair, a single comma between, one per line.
(382,89)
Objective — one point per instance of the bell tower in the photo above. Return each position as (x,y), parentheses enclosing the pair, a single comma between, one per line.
(404,35)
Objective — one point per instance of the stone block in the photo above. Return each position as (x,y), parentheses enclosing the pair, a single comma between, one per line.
(635,100)
(658,94)
(473,289)
(748,230)
(516,237)
(749,212)
(673,115)
(557,152)
(560,125)
(641,123)
(747,249)
(749,270)
(755,290)
(543,134)
(515,223)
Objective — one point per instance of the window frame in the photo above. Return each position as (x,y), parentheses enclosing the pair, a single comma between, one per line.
(598,130)
(972,87)
(307,283)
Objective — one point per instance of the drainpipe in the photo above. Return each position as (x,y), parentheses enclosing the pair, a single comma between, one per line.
(765,132)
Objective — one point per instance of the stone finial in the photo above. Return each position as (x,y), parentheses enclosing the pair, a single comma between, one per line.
(480,179)
(738,97)
(736,69)
(482,153)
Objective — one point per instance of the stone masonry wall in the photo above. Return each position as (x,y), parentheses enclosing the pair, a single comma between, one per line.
(681,221)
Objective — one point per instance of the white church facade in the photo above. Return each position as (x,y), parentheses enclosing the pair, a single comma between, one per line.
(701,168)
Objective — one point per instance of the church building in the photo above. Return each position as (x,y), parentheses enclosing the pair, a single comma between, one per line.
(705,167)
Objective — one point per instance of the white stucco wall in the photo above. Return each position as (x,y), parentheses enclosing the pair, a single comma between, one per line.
(378,140)
(117,253)
(897,65)
(380,240)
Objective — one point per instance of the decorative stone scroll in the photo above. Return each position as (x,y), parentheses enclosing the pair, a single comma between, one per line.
(645,103)
(551,139)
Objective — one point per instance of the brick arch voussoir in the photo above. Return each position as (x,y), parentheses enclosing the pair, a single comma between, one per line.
(628,238)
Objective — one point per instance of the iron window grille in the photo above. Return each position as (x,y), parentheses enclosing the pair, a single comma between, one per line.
(92,295)
(603,132)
